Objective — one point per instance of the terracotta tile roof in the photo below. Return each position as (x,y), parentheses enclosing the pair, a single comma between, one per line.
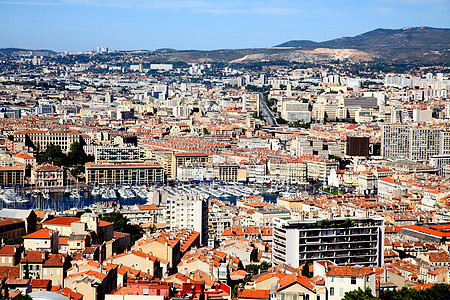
(65,221)
(437,256)
(253,294)
(9,272)
(67,293)
(9,249)
(34,257)
(349,271)
(269,275)
(55,260)
(145,207)
(428,230)
(17,281)
(43,233)
(104,223)
(41,283)
(39,213)
(295,278)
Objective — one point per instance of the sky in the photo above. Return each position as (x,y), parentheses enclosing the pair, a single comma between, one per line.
(83,25)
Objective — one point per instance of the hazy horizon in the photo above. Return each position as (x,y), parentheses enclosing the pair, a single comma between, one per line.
(81,25)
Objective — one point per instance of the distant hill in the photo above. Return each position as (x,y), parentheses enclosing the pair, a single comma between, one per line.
(13,51)
(424,38)
(299,44)
(416,45)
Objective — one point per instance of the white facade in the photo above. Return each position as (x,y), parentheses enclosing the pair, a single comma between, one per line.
(188,211)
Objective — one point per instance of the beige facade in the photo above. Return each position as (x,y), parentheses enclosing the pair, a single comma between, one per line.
(171,253)
(126,174)
(139,261)
(10,176)
(47,176)
(42,240)
(287,171)
(42,138)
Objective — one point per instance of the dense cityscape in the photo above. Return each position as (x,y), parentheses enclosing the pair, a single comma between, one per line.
(129,175)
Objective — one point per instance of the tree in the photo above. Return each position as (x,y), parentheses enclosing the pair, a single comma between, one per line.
(436,292)
(53,154)
(121,225)
(234,291)
(77,155)
(264,266)
(252,268)
(359,294)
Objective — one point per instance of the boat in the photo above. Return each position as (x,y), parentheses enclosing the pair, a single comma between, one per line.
(95,191)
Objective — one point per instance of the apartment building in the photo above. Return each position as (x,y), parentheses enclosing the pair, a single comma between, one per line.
(42,240)
(195,173)
(124,174)
(188,211)
(287,171)
(184,158)
(411,142)
(10,176)
(304,145)
(342,279)
(42,138)
(292,111)
(117,154)
(318,167)
(351,241)
(227,172)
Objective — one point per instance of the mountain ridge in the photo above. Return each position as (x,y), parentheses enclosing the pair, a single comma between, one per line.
(416,45)
(423,37)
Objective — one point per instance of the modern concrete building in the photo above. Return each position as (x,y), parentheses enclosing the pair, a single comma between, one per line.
(411,142)
(117,154)
(124,173)
(351,241)
(188,211)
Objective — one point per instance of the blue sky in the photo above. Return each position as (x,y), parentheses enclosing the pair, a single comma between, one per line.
(75,25)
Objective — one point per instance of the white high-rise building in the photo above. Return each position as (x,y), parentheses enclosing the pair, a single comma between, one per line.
(188,211)
(344,241)
(411,142)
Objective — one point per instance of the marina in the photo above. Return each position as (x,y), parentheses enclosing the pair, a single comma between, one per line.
(125,195)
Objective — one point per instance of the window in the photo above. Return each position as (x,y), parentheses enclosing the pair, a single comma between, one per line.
(353,280)
(341,291)
(332,291)
(307,297)
(332,279)
(318,297)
